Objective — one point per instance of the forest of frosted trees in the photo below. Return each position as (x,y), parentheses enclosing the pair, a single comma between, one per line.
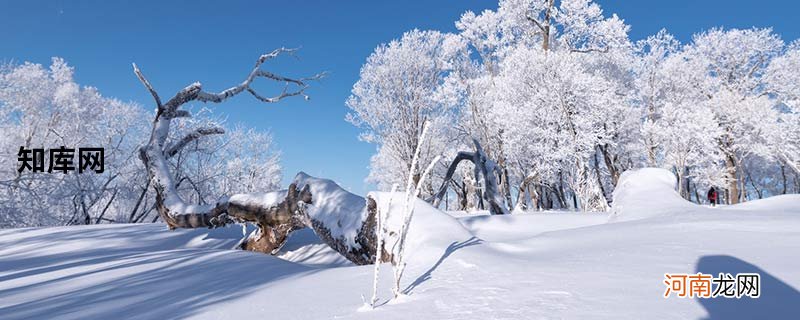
(43,107)
(553,99)
(563,102)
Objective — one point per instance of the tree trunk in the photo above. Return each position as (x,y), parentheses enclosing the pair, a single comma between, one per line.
(506,186)
(544,25)
(484,168)
(546,199)
(524,187)
(697,195)
(560,194)
(575,200)
(733,181)
(606,195)
(611,164)
(783,176)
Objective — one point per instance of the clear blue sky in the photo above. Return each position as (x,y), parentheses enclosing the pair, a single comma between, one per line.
(179,42)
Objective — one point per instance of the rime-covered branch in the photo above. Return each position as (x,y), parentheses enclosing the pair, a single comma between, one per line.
(301,83)
(195,91)
(147,85)
(174,148)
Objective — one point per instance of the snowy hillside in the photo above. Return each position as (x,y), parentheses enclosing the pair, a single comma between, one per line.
(460,266)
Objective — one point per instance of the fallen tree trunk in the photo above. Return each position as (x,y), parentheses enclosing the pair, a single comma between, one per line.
(276,214)
(344,221)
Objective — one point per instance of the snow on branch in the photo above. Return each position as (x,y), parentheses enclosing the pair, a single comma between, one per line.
(194,91)
(147,85)
(258,73)
(173,149)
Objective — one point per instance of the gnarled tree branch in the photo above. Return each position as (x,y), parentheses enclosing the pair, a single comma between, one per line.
(275,219)
(484,167)
(276,213)
(174,148)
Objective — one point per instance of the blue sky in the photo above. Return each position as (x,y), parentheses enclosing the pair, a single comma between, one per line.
(179,42)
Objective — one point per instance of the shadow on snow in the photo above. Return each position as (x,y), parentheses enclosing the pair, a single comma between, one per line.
(453,247)
(778,300)
(148,282)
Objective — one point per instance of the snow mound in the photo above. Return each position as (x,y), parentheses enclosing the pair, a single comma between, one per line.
(431,230)
(647,192)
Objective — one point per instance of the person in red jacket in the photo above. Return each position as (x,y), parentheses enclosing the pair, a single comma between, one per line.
(712,196)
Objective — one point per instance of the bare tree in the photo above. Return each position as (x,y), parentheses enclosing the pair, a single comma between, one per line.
(344,221)
(274,219)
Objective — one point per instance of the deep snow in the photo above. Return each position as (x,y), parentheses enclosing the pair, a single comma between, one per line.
(461,266)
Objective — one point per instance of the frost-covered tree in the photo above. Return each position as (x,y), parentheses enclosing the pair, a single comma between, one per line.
(783,80)
(552,112)
(550,83)
(44,108)
(402,86)
(734,63)
(710,107)
(677,131)
(562,102)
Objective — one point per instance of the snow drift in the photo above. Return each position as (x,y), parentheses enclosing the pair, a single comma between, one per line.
(431,230)
(548,265)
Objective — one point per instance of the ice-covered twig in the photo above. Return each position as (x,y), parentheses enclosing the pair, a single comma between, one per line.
(415,159)
(147,85)
(379,245)
(412,192)
(409,213)
(258,73)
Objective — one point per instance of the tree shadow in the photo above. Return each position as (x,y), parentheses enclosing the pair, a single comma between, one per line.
(778,300)
(148,281)
(447,252)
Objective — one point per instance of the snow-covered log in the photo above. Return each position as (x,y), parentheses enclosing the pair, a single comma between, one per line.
(344,221)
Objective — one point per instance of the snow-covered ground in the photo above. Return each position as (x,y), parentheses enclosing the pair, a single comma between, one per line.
(527,266)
